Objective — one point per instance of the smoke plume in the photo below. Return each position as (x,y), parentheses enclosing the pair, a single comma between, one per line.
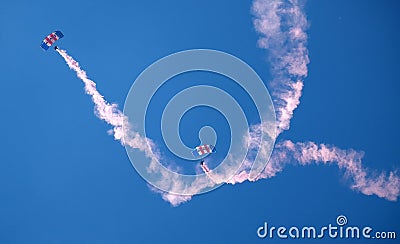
(282,27)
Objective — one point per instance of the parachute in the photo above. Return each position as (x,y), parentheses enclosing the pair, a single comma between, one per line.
(203,150)
(50,39)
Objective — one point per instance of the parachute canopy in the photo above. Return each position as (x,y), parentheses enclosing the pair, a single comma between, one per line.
(203,149)
(50,39)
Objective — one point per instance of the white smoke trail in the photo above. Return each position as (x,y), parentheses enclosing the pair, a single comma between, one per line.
(282,25)
(104,110)
(383,185)
(113,116)
(305,153)
(109,112)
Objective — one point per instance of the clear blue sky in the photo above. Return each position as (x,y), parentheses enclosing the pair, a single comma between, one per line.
(63,179)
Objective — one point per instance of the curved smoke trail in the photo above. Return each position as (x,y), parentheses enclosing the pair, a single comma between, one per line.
(114,117)
(282,26)
(106,111)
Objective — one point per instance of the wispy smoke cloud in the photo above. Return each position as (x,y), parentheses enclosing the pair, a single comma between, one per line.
(114,117)
(282,27)
(106,111)
(364,180)
(384,185)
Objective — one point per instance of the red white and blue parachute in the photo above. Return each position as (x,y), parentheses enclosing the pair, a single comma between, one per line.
(50,39)
(203,149)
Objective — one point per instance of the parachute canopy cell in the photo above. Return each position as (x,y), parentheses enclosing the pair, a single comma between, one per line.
(203,150)
(50,39)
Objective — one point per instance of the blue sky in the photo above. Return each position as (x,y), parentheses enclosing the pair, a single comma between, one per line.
(63,179)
